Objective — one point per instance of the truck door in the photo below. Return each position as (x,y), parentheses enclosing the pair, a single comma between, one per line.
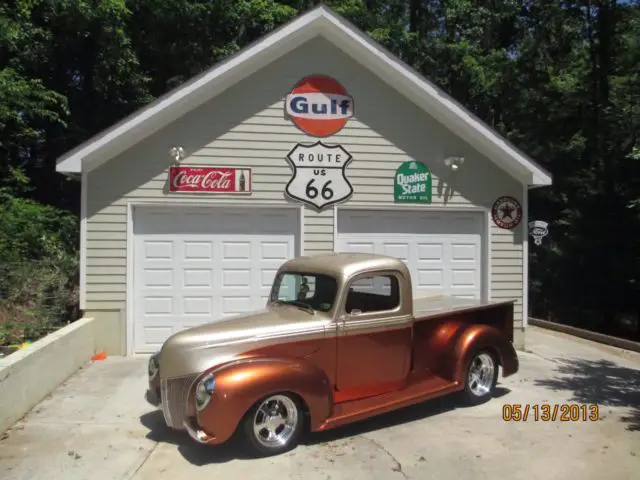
(374,337)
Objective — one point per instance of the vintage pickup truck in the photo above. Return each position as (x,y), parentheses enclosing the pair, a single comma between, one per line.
(341,339)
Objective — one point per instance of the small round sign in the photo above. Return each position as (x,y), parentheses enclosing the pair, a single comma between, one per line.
(506,212)
(319,106)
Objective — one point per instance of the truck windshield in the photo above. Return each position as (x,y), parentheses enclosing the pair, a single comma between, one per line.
(312,290)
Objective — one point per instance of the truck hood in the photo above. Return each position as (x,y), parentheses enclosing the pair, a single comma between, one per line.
(202,347)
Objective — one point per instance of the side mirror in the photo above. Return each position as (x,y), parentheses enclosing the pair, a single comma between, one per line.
(355,312)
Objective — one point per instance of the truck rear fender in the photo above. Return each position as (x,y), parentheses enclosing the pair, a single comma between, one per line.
(240,384)
(476,338)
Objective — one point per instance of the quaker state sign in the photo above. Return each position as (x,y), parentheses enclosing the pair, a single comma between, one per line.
(412,183)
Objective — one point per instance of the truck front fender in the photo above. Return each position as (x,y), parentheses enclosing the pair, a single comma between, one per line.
(240,384)
(476,338)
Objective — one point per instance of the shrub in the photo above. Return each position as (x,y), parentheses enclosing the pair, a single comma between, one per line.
(38,269)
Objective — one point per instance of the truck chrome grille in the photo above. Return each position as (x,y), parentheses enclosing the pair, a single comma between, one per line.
(174,393)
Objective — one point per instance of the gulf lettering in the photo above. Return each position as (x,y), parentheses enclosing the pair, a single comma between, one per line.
(300,105)
(319,106)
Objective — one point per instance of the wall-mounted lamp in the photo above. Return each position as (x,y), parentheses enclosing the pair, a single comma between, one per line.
(454,163)
(176,153)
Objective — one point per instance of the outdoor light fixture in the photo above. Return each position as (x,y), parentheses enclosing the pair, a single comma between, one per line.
(454,162)
(177,153)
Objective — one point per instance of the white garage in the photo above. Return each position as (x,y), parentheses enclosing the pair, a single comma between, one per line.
(445,251)
(391,165)
(195,265)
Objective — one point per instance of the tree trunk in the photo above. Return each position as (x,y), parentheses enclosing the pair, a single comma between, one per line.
(415,7)
(605,29)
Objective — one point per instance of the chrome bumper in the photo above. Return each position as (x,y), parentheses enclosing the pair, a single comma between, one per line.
(195,433)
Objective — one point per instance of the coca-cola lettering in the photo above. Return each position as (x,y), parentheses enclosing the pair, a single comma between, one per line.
(207,179)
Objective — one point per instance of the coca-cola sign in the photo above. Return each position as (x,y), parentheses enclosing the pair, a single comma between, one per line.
(209,179)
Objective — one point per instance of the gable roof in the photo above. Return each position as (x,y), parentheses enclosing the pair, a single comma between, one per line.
(320,21)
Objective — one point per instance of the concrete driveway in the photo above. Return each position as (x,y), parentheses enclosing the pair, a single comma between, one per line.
(98,426)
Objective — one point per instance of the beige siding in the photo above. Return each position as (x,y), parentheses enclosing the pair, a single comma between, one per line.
(246,127)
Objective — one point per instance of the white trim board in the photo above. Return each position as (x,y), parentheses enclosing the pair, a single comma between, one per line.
(129,307)
(486,254)
(485,262)
(323,22)
(83,241)
(525,257)
(132,205)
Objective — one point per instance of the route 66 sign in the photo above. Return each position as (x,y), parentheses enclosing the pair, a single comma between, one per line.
(319,177)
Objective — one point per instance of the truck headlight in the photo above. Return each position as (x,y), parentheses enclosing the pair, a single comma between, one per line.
(153,366)
(204,390)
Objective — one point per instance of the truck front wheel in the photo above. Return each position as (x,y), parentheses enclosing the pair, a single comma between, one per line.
(481,378)
(274,425)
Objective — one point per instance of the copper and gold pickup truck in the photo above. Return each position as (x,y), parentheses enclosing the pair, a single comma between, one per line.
(341,339)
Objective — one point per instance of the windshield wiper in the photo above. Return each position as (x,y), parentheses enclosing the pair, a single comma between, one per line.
(297,303)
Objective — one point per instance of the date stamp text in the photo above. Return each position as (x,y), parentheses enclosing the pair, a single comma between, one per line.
(547,412)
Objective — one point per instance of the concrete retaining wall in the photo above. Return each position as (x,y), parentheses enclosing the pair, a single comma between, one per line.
(29,375)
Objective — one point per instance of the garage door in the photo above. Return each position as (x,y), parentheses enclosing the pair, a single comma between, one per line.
(194,266)
(442,250)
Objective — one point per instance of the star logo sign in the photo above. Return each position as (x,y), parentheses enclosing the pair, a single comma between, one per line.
(506,212)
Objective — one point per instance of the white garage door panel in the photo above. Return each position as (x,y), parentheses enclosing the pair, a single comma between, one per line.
(196,266)
(442,250)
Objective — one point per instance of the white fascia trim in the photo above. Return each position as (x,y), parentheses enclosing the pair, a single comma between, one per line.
(525,257)
(129,285)
(83,241)
(179,99)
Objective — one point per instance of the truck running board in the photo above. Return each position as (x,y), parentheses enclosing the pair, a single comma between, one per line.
(416,392)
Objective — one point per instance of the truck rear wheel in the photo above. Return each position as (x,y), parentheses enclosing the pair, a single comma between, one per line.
(481,378)
(274,425)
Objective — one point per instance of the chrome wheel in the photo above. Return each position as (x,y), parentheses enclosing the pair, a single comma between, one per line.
(481,374)
(275,421)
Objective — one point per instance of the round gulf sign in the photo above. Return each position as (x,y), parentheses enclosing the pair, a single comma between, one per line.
(319,106)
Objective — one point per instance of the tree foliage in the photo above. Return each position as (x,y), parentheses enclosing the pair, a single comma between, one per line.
(560,79)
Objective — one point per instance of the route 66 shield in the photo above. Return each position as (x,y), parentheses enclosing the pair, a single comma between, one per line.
(319,175)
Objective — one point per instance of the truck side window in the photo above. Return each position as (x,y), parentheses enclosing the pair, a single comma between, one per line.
(317,291)
(377,293)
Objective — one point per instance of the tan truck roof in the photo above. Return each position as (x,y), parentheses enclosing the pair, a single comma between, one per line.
(342,265)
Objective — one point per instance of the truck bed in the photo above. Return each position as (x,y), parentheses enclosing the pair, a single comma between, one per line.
(443,308)
(436,306)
